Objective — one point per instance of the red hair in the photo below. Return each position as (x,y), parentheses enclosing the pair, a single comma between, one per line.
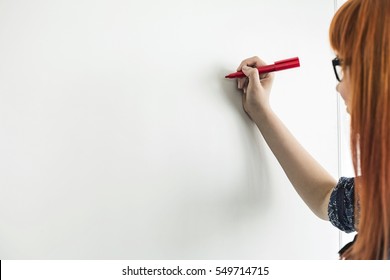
(360,35)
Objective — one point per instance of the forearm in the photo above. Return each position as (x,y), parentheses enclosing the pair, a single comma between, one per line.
(309,179)
(312,182)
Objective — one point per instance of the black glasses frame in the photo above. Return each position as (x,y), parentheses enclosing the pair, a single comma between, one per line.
(336,62)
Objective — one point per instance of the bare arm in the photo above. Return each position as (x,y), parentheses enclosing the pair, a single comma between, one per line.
(311,181)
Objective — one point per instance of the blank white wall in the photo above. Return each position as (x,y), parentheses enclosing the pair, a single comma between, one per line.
(120,138)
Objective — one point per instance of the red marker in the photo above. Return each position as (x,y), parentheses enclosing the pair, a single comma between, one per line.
(277,66)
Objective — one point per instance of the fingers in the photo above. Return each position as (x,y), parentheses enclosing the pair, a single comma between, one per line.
(267,80)
(252,61)
(253,76)
(241,82)
(251,73)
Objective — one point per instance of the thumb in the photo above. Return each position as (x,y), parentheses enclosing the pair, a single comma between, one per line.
(252,74)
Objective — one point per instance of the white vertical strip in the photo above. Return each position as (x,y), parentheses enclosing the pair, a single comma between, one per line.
(339,142)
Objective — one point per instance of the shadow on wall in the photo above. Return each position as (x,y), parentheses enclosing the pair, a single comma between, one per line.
(257,192)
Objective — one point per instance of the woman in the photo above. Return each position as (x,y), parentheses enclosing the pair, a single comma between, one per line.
(360,36)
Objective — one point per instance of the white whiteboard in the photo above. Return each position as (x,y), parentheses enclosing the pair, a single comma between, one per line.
(121,139)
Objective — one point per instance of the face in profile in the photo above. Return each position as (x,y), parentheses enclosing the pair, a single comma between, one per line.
(343,87)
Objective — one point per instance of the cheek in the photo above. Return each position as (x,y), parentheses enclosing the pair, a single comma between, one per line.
(344,91)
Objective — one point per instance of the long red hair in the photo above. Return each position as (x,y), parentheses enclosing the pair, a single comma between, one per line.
(360,35)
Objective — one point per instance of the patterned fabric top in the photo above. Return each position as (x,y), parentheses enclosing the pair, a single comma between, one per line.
(341,208)
(341,205)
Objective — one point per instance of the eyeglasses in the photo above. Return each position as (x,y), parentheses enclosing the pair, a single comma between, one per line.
(338,71)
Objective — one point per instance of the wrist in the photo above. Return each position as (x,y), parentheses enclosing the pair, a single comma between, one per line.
(262,115)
